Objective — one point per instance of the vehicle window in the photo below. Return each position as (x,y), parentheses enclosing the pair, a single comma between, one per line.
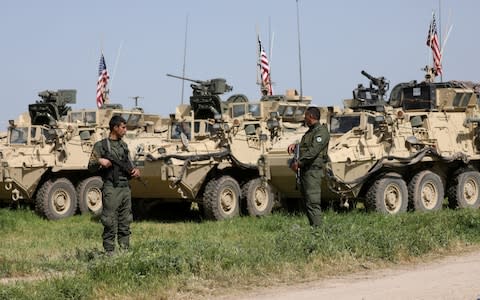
(343,124)
(19,135)
(133,120)
(91,117)
(76,116)
(254,109)
(238,110)
(300,111)
(288,111)
(196,127)
(179,128)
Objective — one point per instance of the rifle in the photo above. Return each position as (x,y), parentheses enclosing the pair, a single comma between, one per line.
(296,157)
(121,166)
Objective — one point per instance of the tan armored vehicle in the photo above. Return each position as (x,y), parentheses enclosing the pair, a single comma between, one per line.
(421,147)
(411,151)
(211,154)
(45,156)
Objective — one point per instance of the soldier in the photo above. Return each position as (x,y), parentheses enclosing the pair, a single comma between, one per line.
(311,159)
(110,158)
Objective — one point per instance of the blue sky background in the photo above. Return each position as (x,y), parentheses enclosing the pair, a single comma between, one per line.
(56,44)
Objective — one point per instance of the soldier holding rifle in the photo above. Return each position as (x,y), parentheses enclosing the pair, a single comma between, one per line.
(312,152)
(110,158)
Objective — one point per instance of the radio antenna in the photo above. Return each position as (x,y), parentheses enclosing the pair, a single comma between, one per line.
(299,53)
(184,55)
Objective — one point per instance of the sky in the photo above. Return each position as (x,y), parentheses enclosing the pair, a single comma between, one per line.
(56,44)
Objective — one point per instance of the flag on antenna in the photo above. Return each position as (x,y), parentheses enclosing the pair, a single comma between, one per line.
(102,82)
(433,43)
(264,70)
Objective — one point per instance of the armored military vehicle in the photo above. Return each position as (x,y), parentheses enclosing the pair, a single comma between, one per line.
(45,157)
(211,153)
(422,146)
(410,151)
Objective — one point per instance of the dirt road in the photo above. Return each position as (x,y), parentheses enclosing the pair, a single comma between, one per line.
(448,278)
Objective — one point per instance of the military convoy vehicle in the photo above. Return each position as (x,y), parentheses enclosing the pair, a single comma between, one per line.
(45,157)
(408,152)
(420,148)
(206,152)
(211,152)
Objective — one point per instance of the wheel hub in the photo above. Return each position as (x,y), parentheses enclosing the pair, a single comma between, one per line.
(392,198)
(94,199)
(470,191)
(227,200)
(61,200)
(261,198)
(429,195)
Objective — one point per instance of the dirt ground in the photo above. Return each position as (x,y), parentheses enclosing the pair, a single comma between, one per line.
(448,278)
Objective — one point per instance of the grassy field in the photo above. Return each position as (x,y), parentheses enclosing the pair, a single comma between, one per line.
(40,259)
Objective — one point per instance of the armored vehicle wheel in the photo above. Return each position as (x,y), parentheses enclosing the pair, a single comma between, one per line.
(89,195)
(56,199)
(388,195)
(221,198)
(425,191)
(258,197)
(465,191)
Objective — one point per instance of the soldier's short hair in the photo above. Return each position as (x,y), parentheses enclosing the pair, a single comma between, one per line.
(314,112)
(116,121)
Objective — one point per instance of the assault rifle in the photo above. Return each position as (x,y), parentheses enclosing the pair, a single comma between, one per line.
(118,166)
(296,157)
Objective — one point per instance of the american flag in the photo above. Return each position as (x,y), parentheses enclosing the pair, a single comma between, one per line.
(265,70)
(102,81)
(432,42)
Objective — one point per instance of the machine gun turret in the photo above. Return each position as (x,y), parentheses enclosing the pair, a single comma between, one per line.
(381,83)
(52,106)
(371,98)
(205,100)
(215,86)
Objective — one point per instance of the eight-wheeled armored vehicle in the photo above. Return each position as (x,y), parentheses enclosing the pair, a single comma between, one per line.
(211,153)
(45,156)
(413,150)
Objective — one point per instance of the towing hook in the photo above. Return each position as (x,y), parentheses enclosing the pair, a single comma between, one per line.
(15,195)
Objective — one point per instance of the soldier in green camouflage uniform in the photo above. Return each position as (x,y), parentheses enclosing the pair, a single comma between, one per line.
(110,158)
(313,150)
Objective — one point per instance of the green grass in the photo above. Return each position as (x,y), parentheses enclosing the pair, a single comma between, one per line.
(194,260)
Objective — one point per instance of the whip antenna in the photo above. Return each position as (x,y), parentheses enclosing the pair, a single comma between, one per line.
(184,56)
(299,53)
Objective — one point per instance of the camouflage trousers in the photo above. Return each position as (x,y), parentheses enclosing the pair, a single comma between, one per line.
(311,190)
(116,215)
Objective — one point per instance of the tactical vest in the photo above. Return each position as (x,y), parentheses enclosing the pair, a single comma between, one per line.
(121,166)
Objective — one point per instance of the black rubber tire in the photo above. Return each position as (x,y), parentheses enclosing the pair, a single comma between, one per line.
(426,191)
(89,195)
(458,197)
(56,199)
(221,198)
(376,198)
(257,197)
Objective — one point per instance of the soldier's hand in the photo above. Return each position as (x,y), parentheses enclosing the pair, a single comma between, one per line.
(135,172)
(294,166)
(105,163)
(291,148)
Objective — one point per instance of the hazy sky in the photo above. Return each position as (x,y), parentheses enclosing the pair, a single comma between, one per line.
(57,44)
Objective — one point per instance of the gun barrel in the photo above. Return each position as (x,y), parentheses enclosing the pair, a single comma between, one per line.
(185,78)
(368,75)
